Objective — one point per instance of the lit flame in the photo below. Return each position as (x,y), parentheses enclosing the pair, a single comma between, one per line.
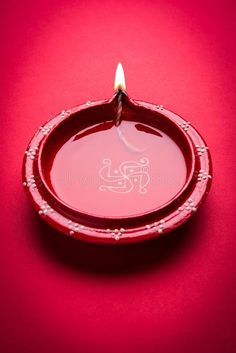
(120,78)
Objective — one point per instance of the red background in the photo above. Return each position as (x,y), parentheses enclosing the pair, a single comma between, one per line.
(175,294)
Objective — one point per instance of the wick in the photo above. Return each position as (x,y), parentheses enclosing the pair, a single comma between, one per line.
(117,124)
(119,109)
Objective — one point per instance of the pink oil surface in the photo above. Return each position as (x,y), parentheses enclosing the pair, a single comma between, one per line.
(104,175)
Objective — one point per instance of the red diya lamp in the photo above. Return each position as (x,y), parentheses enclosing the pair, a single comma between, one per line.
(117,170)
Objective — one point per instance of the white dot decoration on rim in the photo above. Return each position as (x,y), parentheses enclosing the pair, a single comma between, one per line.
(188,206)
(185,125)
(156,226)
(202,175)
(45,209)
(65,113)
(30,182)
(201,150)
(31,153)
(160,107)
(75,227)
(45,129)
(116,233)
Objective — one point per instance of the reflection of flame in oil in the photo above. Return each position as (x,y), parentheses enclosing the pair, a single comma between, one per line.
(127,143)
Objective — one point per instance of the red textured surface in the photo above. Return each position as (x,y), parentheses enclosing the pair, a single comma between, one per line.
(170,295)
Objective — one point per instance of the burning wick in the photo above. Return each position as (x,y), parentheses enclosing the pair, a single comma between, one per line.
(121,87)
